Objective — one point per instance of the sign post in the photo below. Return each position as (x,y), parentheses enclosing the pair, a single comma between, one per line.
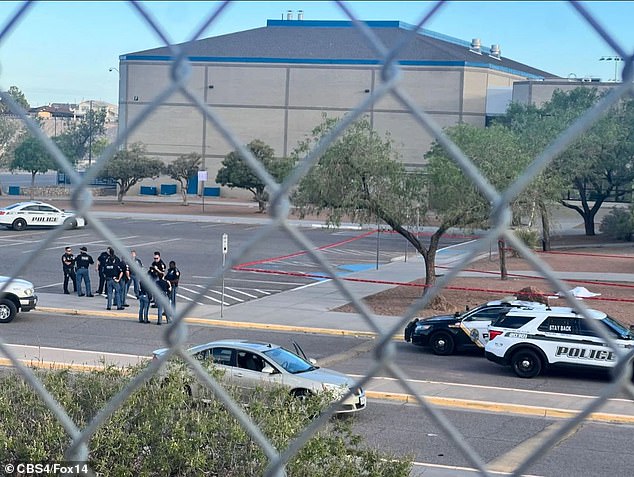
(225,249)
(202,177)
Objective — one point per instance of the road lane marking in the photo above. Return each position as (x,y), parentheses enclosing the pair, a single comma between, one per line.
(517,455)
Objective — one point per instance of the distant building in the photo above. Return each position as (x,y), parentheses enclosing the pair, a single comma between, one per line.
(273,83)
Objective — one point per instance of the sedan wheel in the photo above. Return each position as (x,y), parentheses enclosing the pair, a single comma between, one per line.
(19,224)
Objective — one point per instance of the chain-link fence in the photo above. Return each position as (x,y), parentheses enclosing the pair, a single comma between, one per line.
(175,335)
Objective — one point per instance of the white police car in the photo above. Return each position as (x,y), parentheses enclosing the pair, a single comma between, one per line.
(21,215)
(531,340)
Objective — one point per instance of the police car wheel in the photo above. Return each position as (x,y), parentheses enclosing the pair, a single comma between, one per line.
(71,223)
(7,311)
(441,343)
(19,224)
(526,363)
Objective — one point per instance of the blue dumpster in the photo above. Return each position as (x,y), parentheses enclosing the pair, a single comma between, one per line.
(168,189)
(14,190)
(211,192)
(148,190)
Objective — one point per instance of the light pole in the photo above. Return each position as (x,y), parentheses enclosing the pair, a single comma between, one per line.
(90,135)
(112,68)
(616,60)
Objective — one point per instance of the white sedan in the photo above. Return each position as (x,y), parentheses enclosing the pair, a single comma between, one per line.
(249,364)
(30,214)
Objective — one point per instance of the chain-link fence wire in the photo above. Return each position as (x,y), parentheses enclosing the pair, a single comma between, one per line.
(384,349)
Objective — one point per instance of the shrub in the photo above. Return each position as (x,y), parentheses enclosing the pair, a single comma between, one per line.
(528,236)
(619,223)
(160,430)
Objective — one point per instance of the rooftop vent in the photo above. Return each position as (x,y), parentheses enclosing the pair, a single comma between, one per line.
(475,45)
(289,14)
(300,14)
(495,51)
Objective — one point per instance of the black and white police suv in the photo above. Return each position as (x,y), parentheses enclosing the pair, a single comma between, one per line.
(531,340)
(448,333)
(21,215)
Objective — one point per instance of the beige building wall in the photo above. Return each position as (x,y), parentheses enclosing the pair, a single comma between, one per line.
(281,104)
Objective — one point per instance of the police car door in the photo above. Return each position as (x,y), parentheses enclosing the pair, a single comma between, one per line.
(476,324)
(49,215)
(31,213)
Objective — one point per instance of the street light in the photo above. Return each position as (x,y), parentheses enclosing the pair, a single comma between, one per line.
(112,68)
(616,60)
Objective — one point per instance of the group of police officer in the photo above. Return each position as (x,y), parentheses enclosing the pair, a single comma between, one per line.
(116,277)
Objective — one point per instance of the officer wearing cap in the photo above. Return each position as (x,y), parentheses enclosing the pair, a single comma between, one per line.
(83,262)
(68,266)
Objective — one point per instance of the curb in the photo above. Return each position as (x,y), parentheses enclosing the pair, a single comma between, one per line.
(220,323)
(525,410)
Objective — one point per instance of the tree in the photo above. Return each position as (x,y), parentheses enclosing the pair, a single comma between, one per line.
(18,96)
(129,166)
(360,176)
(236,173)
(33,157)
(455,199)
(599,164)
(77,140)
(183,169)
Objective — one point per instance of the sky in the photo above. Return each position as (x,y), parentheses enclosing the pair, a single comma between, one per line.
(65,51)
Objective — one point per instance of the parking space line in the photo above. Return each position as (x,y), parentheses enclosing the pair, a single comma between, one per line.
(243,293)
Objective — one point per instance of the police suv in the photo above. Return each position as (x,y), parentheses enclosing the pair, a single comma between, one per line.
(448,333)
(531,340)
(17,296)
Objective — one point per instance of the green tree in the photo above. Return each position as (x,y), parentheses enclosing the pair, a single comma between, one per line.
(235,172)
(359,176)
(77,141)
(33,157)
(183,169)
(598,165)
(18,96)
(129,166)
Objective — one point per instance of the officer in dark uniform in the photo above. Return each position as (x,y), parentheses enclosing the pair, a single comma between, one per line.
(157,269)
(172,275)
(83,262)
(101,261)
(164,286)
(68,266)
(113,273)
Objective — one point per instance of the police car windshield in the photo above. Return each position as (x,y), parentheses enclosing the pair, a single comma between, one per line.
(618,328)
(289,361)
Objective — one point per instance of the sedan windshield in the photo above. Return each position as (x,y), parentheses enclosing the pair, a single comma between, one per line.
(289,361)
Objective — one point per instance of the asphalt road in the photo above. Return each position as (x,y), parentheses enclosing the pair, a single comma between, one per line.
(275,264)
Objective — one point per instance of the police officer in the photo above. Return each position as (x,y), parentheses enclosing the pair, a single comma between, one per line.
(83,262)
(101,260)
(157,269)
(145,296)
(133,278)
(113,274)
(164,287)
(68,266)
(172,275)
(124,284)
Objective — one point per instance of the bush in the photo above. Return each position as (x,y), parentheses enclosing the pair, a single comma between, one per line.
(160,430)
(528,236)
(619,223)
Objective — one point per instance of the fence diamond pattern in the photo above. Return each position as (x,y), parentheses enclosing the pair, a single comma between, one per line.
(280,206)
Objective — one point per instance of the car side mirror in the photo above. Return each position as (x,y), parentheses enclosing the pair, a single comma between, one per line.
(268,369)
